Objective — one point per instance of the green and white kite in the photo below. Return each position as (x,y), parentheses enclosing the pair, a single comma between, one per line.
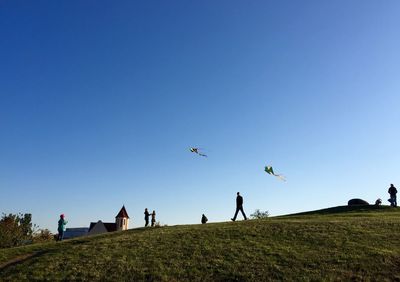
(270,171)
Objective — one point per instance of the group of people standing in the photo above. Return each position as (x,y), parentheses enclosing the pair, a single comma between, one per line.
(147,217)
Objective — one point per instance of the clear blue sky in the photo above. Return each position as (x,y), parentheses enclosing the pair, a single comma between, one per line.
(100,101)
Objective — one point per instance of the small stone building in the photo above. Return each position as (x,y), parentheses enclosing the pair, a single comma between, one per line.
(121,223)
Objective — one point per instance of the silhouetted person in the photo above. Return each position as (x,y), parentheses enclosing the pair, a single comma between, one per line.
(239,207)
(393,199)
(61,227)
(204,219)
(146,217)
(153,218)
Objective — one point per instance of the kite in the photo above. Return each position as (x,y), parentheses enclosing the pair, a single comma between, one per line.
(270,171)
(197,151)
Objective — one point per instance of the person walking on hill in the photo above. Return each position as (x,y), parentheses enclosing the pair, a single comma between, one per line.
(61,227)
(204,219)
(146,217)
(153,218)
(239,207)
(393,199)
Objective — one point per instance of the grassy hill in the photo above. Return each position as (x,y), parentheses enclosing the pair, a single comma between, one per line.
(334,244)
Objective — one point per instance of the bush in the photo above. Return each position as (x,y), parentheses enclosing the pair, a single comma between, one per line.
(159,224)
(43,235)
(259,214)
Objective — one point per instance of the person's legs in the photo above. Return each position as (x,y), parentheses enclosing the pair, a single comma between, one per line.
(60,235)
(395,201)
(236,213)
(147,223)
(244,215)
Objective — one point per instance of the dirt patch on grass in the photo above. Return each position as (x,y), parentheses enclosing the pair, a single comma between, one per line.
(19,259)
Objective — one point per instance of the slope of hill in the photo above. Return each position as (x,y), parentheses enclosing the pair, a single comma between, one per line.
(360,244)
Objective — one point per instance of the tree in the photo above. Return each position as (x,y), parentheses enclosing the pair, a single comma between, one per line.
(259,214)
(15,230)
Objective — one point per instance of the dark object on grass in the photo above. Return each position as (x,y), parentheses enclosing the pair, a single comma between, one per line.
(357,202)
(378,202)
(204,219)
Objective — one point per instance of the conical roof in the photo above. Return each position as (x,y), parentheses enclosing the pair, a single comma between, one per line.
(122,213)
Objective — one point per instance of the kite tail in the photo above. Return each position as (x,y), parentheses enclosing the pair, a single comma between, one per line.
(202,155)
(281,177)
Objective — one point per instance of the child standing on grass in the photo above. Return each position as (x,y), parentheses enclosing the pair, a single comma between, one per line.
(61,227)
(153,218)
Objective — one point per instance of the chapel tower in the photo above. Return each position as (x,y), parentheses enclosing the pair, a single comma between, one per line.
(122,219)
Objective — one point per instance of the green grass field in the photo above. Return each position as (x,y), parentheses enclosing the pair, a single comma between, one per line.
(333,244)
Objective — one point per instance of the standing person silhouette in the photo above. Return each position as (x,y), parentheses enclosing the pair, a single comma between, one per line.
(153,218)
(61,227)
(239,207)
(146,217)
(204,219)
(393,199)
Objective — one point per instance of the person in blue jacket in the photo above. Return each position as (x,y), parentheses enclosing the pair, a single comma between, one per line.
(61,227)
